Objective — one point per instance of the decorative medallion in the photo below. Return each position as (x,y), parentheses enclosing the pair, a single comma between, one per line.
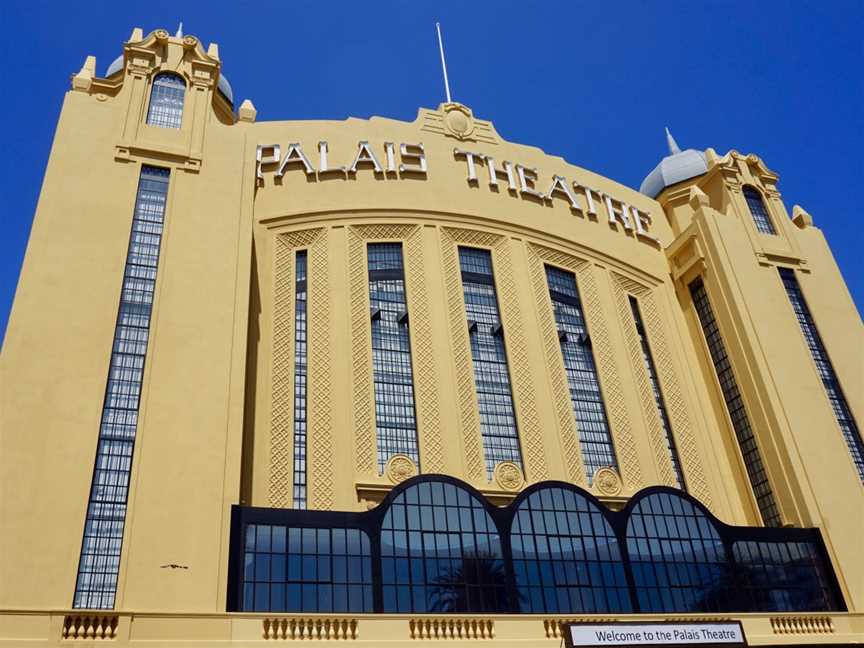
(399,468)
(607,481)
(458,120)
(509,476)
(161,35)
(189,42)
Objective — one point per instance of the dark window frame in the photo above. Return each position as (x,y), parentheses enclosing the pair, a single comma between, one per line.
(392,354)
(160,112)
(577,356)
(487,339)
(735,407)
(371,522)
(104,525)
(758,209)
(846,422)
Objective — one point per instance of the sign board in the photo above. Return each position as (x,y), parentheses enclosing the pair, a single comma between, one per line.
(720,633)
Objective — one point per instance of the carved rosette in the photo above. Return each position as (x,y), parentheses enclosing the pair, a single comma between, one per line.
(509,476)
(399,468)
(607,481)
(458,120)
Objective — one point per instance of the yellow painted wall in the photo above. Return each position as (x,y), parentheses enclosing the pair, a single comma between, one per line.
(216,407)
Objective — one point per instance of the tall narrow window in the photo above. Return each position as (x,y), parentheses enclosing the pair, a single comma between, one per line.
(99,562)
(842,413)
(166,101)
(756,472)
(758,211)
(491,373)
(595,439)
(658,394)
(395,418)
(300,381)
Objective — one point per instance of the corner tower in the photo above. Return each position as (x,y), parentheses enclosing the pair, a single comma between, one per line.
(778,340)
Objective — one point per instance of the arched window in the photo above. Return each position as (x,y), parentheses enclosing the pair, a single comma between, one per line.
(565,556)
(166,101)
(678,560)
(758,211)
(440,552)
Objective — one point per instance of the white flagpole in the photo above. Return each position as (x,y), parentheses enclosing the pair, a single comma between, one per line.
(443,62)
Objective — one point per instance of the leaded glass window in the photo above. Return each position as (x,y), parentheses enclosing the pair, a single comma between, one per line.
(758,211)
(756,472)
(306,569)
(166,101)
(586,397)
(565,556)
(840,407)
(677,557)
(395,418)
(300,381)
(489,356)
(665,425)
(441,552)
(99,562)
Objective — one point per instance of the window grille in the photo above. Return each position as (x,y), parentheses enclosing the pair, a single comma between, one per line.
(489,356)
(840,407)
(756,472)
(99,562)
(658,395)
(592,424)
(300,381)
(395,418)
(758,211)
(166,101)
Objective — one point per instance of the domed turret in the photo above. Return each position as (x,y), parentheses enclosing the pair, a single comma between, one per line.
(676,167)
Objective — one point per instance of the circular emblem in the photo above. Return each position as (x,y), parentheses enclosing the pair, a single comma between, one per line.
(607,481)
(399,468)
(190,41)
(458,120)
(161,35)
(508,476)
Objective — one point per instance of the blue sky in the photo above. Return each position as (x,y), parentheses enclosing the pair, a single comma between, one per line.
(593,82)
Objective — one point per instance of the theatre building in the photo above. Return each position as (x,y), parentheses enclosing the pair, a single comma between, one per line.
(395,383)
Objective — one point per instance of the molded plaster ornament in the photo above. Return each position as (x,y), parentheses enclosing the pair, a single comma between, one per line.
(458,120)
(399,468)
(508,476)
(607,481)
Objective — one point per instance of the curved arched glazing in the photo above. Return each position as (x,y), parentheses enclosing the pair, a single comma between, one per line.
(436,545)
(166,100)
(441,552)
(566,557)
(677,556)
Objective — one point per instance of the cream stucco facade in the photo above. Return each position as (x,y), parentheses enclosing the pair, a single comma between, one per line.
(216,412)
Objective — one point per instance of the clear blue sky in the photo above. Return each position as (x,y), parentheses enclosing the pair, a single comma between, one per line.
(593,82)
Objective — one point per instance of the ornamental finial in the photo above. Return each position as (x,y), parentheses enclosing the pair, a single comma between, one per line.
(673,145)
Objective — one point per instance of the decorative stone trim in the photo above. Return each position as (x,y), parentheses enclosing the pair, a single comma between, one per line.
(282,379)
(90,627)
(399,468)
(553,627)
(451,628)
(309,628)
(802,625)
(508,476)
